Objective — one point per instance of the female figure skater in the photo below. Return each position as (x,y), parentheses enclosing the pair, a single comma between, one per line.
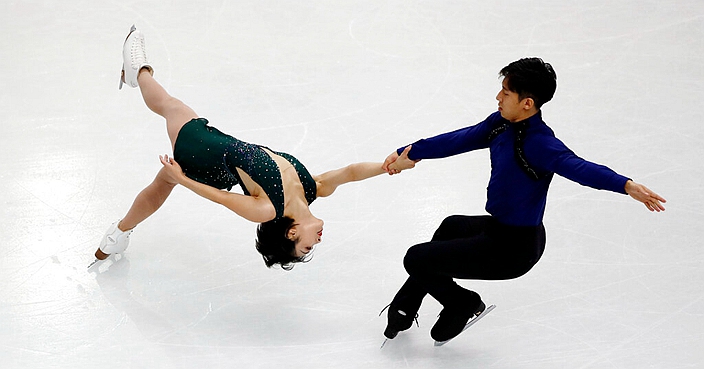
(277,187)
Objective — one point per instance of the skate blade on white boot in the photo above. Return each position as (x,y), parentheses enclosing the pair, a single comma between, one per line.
(122,77)
(469,324)
(122,73)
(113,243)
(101,266)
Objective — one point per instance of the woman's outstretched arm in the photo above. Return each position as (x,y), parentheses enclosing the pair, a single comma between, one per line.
(328,182)
(255,209)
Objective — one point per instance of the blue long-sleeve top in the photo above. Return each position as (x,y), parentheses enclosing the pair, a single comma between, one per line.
(513,197)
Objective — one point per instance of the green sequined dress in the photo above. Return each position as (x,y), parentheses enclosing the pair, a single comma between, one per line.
(209,156)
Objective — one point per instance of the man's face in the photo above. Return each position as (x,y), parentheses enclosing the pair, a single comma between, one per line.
(510,106)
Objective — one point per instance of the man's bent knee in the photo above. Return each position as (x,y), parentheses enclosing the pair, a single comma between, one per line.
(413,262)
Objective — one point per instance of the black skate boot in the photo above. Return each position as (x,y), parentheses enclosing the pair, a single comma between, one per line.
(452,321)
(398,320)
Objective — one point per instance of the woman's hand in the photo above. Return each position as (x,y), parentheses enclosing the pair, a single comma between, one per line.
(643,194)
(172,168)
(390,160)
(395,163)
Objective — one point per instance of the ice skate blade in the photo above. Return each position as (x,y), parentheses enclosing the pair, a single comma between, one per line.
(122,73)
(101,266)
(469,324)
(383,343)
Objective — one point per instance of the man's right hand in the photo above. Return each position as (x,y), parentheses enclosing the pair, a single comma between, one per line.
(396,163)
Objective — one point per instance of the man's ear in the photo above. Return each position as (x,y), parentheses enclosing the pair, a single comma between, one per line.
(528,103)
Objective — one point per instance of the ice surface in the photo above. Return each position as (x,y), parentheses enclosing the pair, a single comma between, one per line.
(335,82)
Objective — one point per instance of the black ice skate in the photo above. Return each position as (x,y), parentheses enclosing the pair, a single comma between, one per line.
(398,320)
(453,322)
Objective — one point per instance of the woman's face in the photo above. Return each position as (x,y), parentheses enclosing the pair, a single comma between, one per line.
(306,235)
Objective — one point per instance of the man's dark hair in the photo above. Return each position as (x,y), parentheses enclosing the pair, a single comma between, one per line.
(273,244)
(531,77)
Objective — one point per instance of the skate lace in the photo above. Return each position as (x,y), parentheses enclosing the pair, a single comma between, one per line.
(384,309)
(113,238)
(138,52)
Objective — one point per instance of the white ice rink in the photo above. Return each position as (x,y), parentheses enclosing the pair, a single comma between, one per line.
(334,82)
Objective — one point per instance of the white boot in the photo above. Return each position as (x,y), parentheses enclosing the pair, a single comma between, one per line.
(134,56)
(114,241)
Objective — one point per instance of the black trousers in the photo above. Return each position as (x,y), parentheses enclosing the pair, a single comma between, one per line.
(467,247)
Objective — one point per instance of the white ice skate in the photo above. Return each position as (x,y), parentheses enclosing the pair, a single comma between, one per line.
(114,241)
(101,266)
(134,57)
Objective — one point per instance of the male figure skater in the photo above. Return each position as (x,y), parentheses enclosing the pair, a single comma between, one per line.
(506,243)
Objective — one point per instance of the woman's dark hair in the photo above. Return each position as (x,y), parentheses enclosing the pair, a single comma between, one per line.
(531,77)
(274,246)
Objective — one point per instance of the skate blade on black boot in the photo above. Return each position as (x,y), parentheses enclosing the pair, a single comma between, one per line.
(398,320)
(471,322)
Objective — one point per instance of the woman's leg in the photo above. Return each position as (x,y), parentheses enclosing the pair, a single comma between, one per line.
(176,113)
(116,239)
(148,201)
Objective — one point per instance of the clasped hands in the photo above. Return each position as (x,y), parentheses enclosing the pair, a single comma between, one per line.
(396,163)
